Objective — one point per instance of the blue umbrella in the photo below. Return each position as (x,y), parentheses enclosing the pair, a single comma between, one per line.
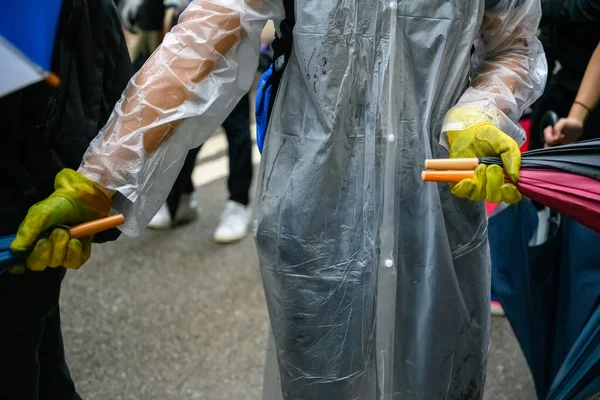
(27,32)
(579,377)
(9,258)
(551,296)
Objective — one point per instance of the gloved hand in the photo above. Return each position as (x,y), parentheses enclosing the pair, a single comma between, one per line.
(76,199)
(485,140)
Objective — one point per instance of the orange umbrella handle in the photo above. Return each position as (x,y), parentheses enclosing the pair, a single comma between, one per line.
(446,176)
(53,80)
(452,163)
(99,225)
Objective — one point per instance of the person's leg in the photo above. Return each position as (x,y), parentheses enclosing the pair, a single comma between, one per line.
(55,379)
(183,184)
(154,40)
(19,365)
(180,205)
(30,322)
(237,127)
(187,185)
(136,42)
(236,217)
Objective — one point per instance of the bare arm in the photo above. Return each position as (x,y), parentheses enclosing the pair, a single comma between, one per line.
(569,129)
(589,90)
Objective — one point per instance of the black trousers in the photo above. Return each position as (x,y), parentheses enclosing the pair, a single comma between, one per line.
(32,361)
(237,128)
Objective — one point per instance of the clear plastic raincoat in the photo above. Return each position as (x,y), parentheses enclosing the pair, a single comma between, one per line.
(377,284)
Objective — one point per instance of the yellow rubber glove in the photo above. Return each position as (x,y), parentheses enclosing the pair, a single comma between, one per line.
(485,140)
(76,199)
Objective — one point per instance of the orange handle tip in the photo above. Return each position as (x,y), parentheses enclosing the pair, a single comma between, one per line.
(53,80)
(446,176)
(96,226)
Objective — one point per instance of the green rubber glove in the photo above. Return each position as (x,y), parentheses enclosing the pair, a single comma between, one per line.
(485,140)
(76,199)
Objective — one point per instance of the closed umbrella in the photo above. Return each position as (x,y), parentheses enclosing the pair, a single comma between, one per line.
(581,158)
(565,178)
(574,195)
(9,258)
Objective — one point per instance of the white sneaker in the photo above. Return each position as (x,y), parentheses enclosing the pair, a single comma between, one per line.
(187,209)
(234,223)
(162,219)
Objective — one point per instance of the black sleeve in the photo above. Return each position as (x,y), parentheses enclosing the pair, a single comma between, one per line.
(574,11)
(117,72)
(10,113)
(118,66)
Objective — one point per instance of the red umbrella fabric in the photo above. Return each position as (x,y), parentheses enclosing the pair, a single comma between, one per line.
(574,195)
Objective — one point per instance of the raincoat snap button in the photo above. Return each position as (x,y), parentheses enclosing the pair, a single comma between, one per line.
(391,138)
(389,263)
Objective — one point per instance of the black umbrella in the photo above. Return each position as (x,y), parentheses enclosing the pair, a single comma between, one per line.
(581,158)
(576,166)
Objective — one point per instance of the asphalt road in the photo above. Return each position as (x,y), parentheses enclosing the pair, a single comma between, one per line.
(173,316)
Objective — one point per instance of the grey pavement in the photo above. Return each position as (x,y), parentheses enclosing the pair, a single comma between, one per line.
(173,316)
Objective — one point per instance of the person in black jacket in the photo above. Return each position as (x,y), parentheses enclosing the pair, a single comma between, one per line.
(570,32)
(43,131)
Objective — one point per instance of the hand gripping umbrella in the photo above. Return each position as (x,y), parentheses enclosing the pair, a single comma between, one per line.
(9,259)
(565,178)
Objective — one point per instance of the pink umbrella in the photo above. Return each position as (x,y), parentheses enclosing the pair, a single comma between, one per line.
(574,195)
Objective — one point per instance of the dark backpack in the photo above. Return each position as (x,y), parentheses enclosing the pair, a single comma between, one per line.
(271,78)
(46,129)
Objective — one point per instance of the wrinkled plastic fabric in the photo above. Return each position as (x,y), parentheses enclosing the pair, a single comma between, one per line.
(377,283)
(140,151)
(511,76)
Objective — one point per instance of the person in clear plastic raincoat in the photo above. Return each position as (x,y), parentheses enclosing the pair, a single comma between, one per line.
(377,284)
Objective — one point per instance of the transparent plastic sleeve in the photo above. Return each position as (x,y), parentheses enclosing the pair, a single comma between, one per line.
(176,101)
(508,69)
